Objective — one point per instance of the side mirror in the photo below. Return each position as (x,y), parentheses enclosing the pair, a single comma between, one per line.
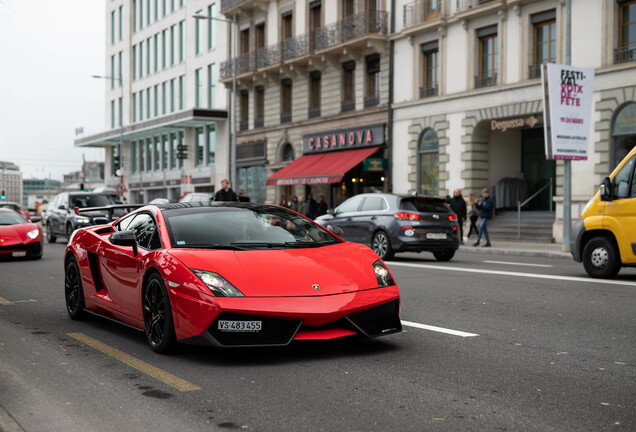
(124,238)
(336,230)
(607,190)
(331,212)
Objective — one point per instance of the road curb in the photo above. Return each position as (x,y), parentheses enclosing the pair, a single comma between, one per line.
(8,423)
(515,252)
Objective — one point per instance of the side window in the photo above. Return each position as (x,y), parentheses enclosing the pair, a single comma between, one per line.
(63,201)
(144,227)
(350,205)
(373,204)
(621,180)
(124,223)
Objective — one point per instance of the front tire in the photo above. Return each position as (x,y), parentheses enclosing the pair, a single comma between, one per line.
(69,231)
(158,323)
(601,258)
(49,234)
(445,255)
(73,291)
(381,245)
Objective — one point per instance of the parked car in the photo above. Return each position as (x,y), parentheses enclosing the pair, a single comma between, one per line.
(197,197)
(18,236)
(391,223)
(62,220)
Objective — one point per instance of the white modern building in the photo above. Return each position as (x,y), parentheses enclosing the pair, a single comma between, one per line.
(468,107)
(164,107)
(11,182)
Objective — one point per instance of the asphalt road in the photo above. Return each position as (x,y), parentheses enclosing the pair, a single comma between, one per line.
(518,343)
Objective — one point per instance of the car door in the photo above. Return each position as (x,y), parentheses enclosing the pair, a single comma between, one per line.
(59,213)
(121,270)
(371,215)
(345,216)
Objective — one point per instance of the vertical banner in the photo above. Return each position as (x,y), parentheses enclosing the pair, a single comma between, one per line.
(567,108)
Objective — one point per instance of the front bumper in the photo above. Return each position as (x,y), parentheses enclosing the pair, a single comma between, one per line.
(420,243)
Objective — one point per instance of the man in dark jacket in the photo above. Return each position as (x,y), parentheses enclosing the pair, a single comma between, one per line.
(312,207)
(458,205)
(485,207)
(225,193)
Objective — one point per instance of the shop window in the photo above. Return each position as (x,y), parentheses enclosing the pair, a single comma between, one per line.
(348,86)
(544,45)
(372,97)
(623,133)
(259,106)
(626,51)
(244,104)
(430,58)
(428,163)
(488,58)
(286,101)
(314,94)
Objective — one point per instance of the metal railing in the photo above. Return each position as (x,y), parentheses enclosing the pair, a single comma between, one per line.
(428,91)
(534,70)
(486,80)
(463,5)
(421,11)
(624,55)
(521,204)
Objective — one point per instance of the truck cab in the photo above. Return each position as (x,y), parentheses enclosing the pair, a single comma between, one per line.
(604,238)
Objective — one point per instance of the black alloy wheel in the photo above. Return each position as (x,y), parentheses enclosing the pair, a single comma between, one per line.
(49,234)
(158,324)
(601,258)
(73,292)
(381,245)
(445,255)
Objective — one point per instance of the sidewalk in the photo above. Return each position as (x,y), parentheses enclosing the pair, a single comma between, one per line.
(549,250)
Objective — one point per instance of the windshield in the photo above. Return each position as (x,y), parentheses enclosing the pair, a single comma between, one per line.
(10,218)
(424,205)
(244,228)
(10,206)
(83,201)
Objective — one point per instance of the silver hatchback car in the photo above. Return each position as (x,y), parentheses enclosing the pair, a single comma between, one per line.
(391,223)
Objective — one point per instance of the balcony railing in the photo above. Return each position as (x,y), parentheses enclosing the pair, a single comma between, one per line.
(244,125)
(464,5)
(486,80)
(348,105)
(259,122)
(624,55)
(421,11)
(285,117)
(368,22)
(428,91)
(371,101)
(534,71)
(314,112)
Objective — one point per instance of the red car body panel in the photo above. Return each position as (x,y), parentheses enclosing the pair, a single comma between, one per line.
(277,283)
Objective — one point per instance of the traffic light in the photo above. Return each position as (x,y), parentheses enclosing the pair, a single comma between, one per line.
(81,187)
(3,196)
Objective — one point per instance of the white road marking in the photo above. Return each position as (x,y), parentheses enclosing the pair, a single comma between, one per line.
(438,329)
(518,264)
(507,273)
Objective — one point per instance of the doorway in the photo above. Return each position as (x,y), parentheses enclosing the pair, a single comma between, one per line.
(537,171)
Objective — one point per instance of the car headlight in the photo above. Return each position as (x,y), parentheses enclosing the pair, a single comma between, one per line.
(83,220)
(217,284)
(33,234)
(382,274)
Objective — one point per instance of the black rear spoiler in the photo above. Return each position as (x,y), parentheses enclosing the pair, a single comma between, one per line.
(110,209)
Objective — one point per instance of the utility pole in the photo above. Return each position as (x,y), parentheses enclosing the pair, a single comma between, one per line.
(567,164)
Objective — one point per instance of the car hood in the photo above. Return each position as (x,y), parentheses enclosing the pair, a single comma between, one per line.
(15,234)
(335,269)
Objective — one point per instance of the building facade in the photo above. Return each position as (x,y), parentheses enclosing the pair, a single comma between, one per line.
(313,84)
(38,191)
(11,182)
(468,106)
(164,109)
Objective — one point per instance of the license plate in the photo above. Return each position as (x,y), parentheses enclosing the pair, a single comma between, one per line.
(240,326)
(18,254)
(436,236)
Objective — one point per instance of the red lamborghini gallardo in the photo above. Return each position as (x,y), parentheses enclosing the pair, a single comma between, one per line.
(228,274)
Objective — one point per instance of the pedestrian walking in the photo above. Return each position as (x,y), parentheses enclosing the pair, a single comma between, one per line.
(458,205)
(485,207)
(312,207)
(473,214)
(225,193)
(302,205)
(322,205)
(294,203)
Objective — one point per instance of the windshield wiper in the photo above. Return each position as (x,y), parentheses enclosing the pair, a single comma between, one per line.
(211,246)
(268,245)
(302,244)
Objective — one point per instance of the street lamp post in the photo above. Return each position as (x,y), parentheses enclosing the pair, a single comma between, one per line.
(233,178)
(121,118)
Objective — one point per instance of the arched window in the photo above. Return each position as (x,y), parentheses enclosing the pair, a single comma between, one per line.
(623,133)
(428,163)
(288,153)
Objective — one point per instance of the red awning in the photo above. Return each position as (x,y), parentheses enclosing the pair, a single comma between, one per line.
(320,168)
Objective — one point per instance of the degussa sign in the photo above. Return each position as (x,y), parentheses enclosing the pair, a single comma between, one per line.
(567,105)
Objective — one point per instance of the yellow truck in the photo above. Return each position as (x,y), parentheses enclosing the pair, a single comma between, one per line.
(604,238)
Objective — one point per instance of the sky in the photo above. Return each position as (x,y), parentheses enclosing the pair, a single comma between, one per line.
(48,51)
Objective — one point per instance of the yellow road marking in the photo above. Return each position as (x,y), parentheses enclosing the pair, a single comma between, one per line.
(134,362)
(5,302)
